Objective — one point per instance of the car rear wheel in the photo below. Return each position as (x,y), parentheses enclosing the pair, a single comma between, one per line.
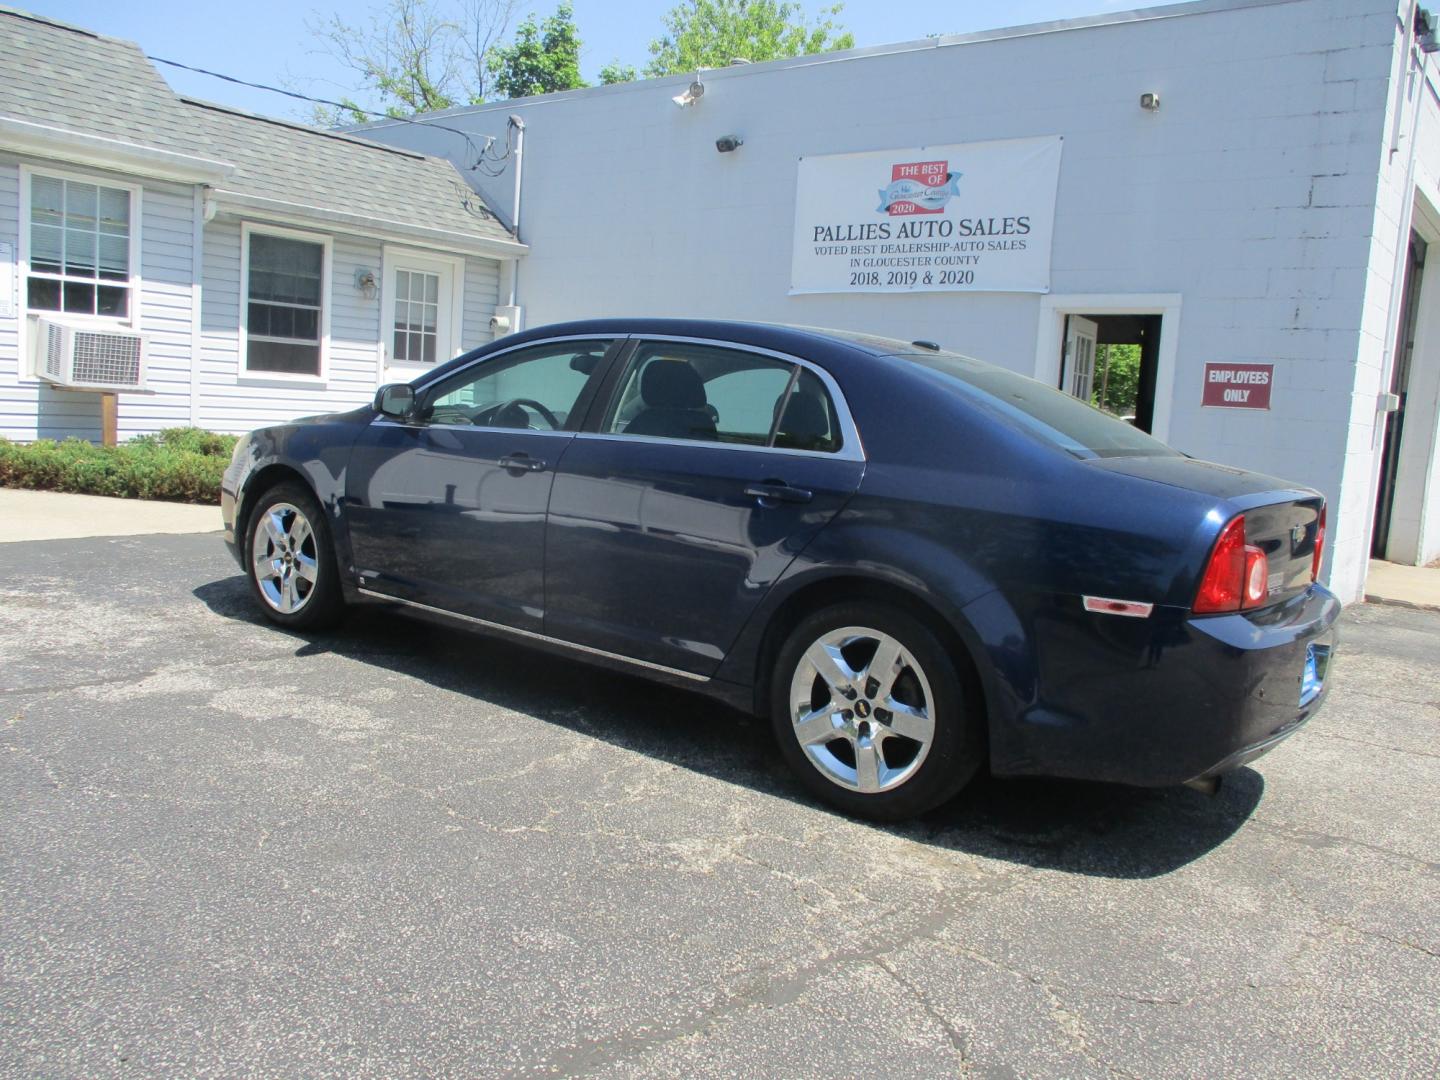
(872,712)
(292,568)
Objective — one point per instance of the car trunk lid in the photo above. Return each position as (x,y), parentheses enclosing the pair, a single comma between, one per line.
(1281,518)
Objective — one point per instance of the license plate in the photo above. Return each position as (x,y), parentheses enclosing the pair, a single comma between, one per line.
(1317,658)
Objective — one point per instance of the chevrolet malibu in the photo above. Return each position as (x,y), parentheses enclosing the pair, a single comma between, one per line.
(914,563)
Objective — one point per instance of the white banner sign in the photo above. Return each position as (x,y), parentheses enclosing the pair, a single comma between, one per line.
(966,217)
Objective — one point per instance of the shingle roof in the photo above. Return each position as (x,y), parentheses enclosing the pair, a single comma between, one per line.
(280,160)
(70,78)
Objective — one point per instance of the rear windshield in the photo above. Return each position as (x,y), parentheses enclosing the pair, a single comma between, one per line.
(1066,421)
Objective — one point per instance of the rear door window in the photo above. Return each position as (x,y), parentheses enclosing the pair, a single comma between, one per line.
(678,390)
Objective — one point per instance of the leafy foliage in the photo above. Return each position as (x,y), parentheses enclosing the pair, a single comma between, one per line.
(1120,387)
(616,72)
(544,58)
(176,465)
(712,33)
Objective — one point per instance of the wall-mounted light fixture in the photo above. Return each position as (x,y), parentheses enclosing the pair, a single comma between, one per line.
(366,283)
(728,144)
(1150,101)
(693,93)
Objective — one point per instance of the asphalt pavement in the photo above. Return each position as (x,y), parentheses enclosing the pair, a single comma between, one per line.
(398,850)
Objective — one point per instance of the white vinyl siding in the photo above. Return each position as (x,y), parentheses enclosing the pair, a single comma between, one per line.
(164,313)
(482,294)
(231,402)
(226,399)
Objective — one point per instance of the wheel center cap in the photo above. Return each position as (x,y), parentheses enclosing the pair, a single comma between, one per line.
(862,709)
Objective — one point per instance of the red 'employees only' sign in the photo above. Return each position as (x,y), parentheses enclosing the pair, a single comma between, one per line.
(1238,386)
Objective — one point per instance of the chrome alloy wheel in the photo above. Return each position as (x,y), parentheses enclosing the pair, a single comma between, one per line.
(861,708)
(283,555)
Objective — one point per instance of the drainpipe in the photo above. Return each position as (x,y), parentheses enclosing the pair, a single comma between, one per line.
(519,126)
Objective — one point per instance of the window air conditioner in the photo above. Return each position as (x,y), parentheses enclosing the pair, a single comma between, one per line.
(84,358)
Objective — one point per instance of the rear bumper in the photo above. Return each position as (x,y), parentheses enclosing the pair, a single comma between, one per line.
(1173,698)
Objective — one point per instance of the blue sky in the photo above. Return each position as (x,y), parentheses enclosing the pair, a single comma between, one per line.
(267,40)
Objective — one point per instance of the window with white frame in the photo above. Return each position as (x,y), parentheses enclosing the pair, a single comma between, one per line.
(417,316)
(422,303)
(284,303)
(80,247)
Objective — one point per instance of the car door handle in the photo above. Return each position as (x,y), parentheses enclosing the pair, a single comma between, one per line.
(779,491)
(523,461)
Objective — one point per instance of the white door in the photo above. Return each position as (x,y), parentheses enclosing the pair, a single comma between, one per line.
(420,313)
(1081,336)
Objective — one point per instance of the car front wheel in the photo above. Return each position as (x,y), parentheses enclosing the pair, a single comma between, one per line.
(292,568)
(872,712)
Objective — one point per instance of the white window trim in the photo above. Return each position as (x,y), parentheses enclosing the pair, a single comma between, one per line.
(25,314)
(1050,339)
(392,257)
(261,378)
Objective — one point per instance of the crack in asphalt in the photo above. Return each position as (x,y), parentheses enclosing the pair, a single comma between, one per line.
(769,990)
(1377,746)
(135,678)
(957,1036)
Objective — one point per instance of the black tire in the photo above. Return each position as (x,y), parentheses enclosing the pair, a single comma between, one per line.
(956,747)
(317,605)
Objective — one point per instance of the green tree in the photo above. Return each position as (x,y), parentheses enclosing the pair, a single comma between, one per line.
(544,58)
(616,72)
(1117,378)
(712,33)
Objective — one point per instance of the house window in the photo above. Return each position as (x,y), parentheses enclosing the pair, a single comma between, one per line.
(285,311)
(80,257)
(417,316)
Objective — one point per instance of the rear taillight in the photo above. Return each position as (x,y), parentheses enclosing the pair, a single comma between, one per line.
(1319,547)
(1237,575)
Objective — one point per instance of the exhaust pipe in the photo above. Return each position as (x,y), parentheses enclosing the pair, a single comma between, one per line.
(1206,785)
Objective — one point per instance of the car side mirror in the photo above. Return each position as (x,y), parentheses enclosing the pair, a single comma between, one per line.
(396,400)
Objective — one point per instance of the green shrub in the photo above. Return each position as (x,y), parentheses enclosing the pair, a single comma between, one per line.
(176,465)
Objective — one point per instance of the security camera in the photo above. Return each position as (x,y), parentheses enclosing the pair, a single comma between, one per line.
(693,93)
(499,324)
(727,143)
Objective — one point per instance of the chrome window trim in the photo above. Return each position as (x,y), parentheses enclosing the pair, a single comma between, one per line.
(851,447)
(533,636)
(424,382)
(658,440)
(384,421)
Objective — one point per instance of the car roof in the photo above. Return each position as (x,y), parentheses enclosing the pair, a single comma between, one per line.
(766,335)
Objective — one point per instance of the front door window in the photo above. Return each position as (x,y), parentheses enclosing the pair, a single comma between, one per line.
(417,317)
(536,388)
(420,312)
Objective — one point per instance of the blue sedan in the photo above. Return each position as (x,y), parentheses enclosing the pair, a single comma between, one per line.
(917,565)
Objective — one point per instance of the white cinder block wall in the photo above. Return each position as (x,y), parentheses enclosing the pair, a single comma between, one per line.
(1251,194)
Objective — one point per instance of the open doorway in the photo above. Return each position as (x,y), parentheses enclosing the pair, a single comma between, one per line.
(1399,386)
(1112,361)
